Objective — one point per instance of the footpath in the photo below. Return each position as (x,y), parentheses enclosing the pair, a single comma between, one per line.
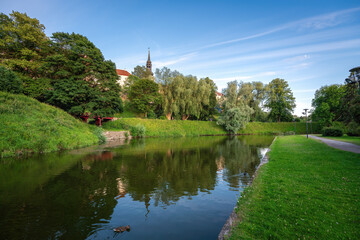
(350,147)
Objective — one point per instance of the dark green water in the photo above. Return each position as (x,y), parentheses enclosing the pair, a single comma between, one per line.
(164,188)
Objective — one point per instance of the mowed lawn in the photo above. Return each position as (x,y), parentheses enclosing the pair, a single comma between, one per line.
(307,191)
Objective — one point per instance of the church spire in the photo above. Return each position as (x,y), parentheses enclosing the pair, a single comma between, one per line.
(148,63)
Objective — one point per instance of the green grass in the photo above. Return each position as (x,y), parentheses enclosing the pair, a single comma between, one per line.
(345,138)
(307,191)
(166,128)
(28,126)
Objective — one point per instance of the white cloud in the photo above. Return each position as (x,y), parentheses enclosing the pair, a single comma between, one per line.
(159,64)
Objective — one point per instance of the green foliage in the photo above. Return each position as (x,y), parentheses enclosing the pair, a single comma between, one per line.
(332,132)
(353,129)
(99,134)
(184,96)
(307,191)
(144,95)
(67,71)
(9,82)
(235,118)
(30,126)
(23,43)
(138,130)
(142,72)
(280,100)
(327,103)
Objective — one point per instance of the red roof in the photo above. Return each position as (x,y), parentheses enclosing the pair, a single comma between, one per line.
(122,72)
(219,94)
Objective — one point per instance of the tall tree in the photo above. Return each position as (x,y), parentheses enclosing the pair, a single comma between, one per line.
(236,112)
(144,95)
(142,72)
(23,43)
(280,100)
(328,104)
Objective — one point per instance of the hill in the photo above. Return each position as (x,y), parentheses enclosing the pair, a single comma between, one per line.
(28,126)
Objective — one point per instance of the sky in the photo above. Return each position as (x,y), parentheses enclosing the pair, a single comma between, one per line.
(310,44)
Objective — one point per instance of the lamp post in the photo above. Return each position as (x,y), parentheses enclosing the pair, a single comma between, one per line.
(305,113)
(354,77)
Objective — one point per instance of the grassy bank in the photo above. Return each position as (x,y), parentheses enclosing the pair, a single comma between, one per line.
(30,126)
(165,128)
(307,191)
(345,138)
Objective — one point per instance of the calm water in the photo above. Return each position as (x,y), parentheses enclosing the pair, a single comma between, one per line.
(164,188)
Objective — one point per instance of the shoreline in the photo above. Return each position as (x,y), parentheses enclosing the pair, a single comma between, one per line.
(233,219)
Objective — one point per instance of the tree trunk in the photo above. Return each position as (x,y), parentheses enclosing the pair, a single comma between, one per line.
(185,117)
(168,116)
(145,115)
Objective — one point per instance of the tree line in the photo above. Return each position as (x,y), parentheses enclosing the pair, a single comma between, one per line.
(68,71)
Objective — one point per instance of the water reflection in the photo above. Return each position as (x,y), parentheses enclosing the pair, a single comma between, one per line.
(82,195)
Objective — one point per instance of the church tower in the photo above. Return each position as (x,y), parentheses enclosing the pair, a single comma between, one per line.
(148,63)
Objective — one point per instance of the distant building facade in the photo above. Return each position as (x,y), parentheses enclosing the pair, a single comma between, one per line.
(123,76)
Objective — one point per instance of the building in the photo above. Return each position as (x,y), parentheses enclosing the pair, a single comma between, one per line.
(123,76)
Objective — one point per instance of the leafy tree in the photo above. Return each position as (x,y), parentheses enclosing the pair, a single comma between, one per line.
(236,112)
(82,80)
(23,43)
(144,95)
(280,100)
(328,104)
(207,110)
(142,72)
(235,118)
(252,94)
(9,82)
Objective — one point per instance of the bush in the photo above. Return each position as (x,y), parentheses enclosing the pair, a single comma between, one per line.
(138,130)
(9,82)
(332,132)
(353,129)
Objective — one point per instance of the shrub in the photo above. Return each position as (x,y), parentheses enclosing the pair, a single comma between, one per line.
(235,118)
(9,82)
(332,131)
(138,130)
(353,129)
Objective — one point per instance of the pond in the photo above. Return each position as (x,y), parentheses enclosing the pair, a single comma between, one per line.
(164,188)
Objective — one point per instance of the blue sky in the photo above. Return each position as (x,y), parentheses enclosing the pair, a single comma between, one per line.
(308,43)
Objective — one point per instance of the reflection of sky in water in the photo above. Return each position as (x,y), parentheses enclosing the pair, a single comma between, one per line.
(179,189)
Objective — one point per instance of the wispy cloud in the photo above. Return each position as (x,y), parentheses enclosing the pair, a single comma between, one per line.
(245,77)
(317,22)
(159,64)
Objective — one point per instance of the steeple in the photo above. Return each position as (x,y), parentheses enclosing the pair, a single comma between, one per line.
(148,63)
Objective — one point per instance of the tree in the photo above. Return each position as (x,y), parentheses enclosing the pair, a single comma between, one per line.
(23,43)
(144,95)
(328,104)
(280,100)
(235,118)
(142,72)
(9,82)
(252,94)
(207,110)
(236,112)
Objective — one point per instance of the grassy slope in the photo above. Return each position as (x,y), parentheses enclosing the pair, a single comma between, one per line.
(30,126)
(155,127)
(307,191)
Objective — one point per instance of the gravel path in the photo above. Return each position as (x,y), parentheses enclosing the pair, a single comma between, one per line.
(338,144)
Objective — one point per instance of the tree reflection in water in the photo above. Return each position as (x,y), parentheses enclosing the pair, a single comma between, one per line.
(65,196)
